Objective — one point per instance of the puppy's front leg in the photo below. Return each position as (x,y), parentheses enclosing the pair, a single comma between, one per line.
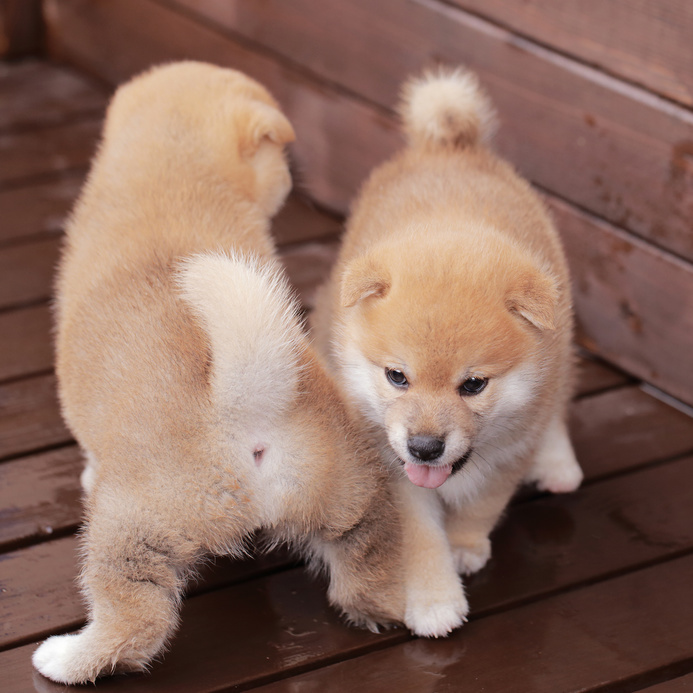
(132,579)
(470,524)
(435,600)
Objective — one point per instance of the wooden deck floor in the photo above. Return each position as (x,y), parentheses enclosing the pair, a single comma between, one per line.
(591,592)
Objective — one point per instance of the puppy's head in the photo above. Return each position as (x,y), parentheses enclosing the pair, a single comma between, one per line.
(212,118)
(440,345)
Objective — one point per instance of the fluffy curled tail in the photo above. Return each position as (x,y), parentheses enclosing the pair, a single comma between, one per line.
(448,108)
(251,318)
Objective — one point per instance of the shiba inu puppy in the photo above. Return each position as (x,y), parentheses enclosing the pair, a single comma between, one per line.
(448,323)
(186,377)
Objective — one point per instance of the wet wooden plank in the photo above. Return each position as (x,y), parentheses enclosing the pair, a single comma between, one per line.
(557,542)
(279,625)
(684,684)
(39,209)
(26,271)
(553,110)
(40,496)
(36,94)
(30,417)
(548,546)
(610,634)
(47,151)
(625,428)
(25,341)
(646,43)
(40,593)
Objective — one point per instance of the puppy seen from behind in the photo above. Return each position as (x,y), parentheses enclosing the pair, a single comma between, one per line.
(187,379)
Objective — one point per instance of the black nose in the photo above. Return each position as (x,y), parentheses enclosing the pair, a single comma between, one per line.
(426,447)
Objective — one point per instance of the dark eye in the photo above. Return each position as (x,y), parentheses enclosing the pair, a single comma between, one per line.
(397,378)
(473,386)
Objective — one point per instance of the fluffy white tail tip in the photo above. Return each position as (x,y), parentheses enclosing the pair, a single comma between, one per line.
(446,107)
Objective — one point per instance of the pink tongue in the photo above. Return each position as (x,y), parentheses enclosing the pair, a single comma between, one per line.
(428,477)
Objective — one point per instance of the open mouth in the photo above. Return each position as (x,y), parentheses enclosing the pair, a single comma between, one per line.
(433,476)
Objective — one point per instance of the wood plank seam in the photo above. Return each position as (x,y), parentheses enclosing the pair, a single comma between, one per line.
(559,51)
(280,58)
(42,177)
(42,448)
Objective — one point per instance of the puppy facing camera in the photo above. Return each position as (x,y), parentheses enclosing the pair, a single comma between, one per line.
(448,321)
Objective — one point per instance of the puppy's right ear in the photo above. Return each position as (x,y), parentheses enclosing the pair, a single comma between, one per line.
(363,278)
(262,121)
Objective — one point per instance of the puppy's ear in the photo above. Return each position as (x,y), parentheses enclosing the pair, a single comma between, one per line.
(263,122)
(363,278)
(534,296)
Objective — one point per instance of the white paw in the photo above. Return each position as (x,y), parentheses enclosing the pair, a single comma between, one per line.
(61,659)
(563,478)
(471,559)
(435,616)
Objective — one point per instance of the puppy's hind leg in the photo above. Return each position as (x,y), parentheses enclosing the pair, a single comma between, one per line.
(363,565)
(555,468)
(133,578)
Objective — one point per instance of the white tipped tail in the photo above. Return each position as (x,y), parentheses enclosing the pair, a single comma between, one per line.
(247,310)
(446,107)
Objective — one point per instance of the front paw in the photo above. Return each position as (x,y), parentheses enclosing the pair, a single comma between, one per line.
(434,613)
(472,558)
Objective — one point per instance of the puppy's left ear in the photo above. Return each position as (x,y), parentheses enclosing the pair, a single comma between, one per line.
(535,298)
(363,278)
(264,122)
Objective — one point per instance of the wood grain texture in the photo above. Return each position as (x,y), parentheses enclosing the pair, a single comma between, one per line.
(39,209)
(47,151)
(41,594)
(25,341)
(548,545)
(634,303)
(625,428)
(606,635)
(648,43)
(281,625)
(683,684)
(30,417)
(36,94)
(26,271)
(614,149)
(40,496)
(595,376)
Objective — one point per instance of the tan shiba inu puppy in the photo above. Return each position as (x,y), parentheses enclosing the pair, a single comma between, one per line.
(186,377)
(448,322)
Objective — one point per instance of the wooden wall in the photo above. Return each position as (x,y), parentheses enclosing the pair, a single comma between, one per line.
(595,100)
